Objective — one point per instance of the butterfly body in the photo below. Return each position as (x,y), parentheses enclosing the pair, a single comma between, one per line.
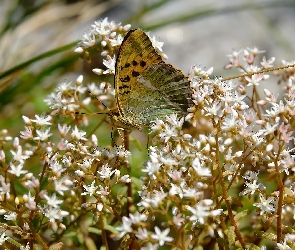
(146,87)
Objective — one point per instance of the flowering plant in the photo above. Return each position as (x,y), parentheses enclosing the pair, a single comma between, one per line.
(224,179)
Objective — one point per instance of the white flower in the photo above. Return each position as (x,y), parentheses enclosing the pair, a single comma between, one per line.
(117,42)
(30,201)
(151,168)
(269,129)
(26,134)
(42,120)
(137,217)
(88,40)
(125,227)
(54,214)
(202,210)
(18,155)
(62,185)
(170,131)
(142,234)
(53,201)
(63,129)
(255,79)
(104,27)
(266,205)
(90,189)
(125,178)
(43,135)
(251,187)
(161,236)
(78,134)
(110,64)
(105,172)
(5,188)
(157,44)
(201,171)
(3,238)
(17,170)
(103,191)
(10,216)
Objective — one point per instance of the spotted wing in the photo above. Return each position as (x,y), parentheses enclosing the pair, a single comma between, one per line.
(146,87)
(134,57)
(162,90)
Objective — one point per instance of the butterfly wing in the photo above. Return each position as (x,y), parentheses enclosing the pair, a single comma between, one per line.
(146,87)
(162,90)
(135,55)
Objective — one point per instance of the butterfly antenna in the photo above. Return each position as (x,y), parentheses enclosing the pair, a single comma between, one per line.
(111,113)
(259,72)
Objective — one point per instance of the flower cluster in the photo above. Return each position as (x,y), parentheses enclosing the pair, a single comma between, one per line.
(221,176)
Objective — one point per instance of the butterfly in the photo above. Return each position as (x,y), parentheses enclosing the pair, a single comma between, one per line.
(146,87)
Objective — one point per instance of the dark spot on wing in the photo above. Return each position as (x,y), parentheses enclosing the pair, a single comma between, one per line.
(126,92)
(125,79)
(127,65)
(135,73)
(124,87)
(134,63)
(142,63)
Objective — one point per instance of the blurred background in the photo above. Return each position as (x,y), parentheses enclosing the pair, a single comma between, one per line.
(38,38)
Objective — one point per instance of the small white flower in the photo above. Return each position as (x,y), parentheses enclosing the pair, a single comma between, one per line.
(26,134)
(125,227)
(142,234)
(3,238)
(202,210)
(54,214)
(43,135)
(125,178)
(156,44)
(53,201)
(4,188)
(151,168)
(19,156)
(137,217)
(17,170)
(161,236)
(201,170)
(88,40)
(110,64)
(254,80)
(105,172)
(62,185)
(266,205)
(117,42)
(78,134)
(63,129)
(30,201)
(42,120)
(10,216)
(90,189)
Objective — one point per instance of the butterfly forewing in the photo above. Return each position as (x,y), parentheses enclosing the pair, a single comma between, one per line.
(135,55)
